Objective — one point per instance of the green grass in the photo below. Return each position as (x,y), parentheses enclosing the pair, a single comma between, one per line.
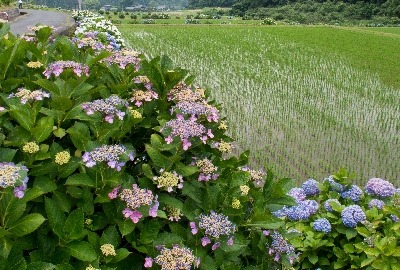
(305,100)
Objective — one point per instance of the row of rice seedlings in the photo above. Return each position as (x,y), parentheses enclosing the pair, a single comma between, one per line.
(303,113)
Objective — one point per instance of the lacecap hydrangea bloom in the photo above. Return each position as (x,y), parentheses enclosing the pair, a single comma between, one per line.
(379,187)
(214,226)
(58,67)
(206,170)
(322,225)
(280,247)
(257,176)
(352,215)
(134,199)
(168,180)
(12,175)
(26,95)
(109,107)
(177,257)
(114,155)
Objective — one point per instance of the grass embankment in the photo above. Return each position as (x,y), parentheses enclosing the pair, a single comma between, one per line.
(304,100)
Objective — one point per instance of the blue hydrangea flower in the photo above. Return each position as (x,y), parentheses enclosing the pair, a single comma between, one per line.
(310,187)
(376,203)
(354,193)
(380,188)
(302,211)
(394,218)
(297,193)
(311,205)
(334,185)
(328,206)
(322,225)
(352,215)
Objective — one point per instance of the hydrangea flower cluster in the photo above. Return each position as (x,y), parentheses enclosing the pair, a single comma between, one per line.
(182,92)
(181,258)
(280,246)
(38,27)
(112,154)
(58,67)
(26,95)
(12,175)
(34,64)
(379,187)
(310,187)
(89,39)
(30,147)
(168,180)
(257,177)
(379,204)
(207,170)
(223,147)
(143,80)
(123,58)
(186,129)
(108,250)
(196,109)
(174,214)
(322,225)
(135,198)
(352,215)
(298,194)
(214,225)
(109,107)
(139,97)
(354,193)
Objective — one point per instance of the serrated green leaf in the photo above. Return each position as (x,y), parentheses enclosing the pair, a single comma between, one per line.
(184,170)
(150,232)
(350,233)
(80,179)
(313,258)
(126,226)
(167,239)
(82,251)
(7,154)
(5,247)
(147,171)
(80,135)
(55,216)
(23,116)
(41,266)
(122,253)
(110,236)
(26,224)
(367,261)
(43,128)
(159,159)
(74,225)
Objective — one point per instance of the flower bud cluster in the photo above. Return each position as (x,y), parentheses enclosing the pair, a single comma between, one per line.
(62,157)
(30,147)
(134,199)
(223,147)
(58,67)
(174,214)
(109,107)
(182,92)
(207,170)
(257,177)
(181,258)
(26,95)
(34,64)
(108,250)
(169,181)
(143,80)
(112,154)
(12,175)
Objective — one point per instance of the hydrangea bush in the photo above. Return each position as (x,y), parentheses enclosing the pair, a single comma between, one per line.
(109,160)
(338,225)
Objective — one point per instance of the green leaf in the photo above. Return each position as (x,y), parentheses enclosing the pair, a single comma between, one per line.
(26,224)
(313,258)
(5,247)
(7,154)
(74,225)
(207,263)
(122,253)
(55,216)
(80,179)
(42,185)
(159,159)
(339,264)
(170,201)
(43,128)
(351,233)
(125,226)
(265,225)
(349,248)
(82,251)
(184,170)
(240,178)
(69,168)
(61,103)
(23,116)
(147,171)
(167,239)
(80,135)
(41,266)
(367,261)
(110,236)
(149,232)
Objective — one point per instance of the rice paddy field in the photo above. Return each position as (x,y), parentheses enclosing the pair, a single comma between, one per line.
(306,100)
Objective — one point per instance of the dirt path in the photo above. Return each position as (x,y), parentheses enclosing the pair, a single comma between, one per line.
(62,21)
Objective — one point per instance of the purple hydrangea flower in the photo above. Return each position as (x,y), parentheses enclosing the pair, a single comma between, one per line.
(354,193)
(111,154)
(322,225)
(310,187)
(109,107)
(379,187)
(352,215)
(58,67)
(376,203)
(12,175)
(280,246)
(298,194)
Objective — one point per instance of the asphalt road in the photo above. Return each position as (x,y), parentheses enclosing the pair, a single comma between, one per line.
(60,20)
